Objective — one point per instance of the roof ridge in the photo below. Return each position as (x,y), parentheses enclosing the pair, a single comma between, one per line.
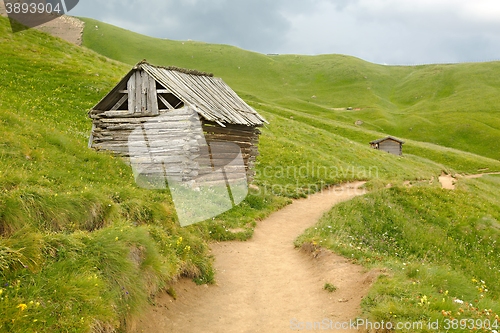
(389,137)
(176,69)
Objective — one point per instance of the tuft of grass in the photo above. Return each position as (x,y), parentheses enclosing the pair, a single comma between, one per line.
(171,291)
(329,287)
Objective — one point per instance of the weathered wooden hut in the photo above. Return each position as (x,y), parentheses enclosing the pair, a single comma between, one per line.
(389,144)
(159,102)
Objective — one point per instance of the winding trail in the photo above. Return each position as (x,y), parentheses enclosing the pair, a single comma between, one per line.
(448,181)
(265,284)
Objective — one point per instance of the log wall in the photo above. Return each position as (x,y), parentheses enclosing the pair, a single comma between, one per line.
(247,138)
(391,146)
(173,142)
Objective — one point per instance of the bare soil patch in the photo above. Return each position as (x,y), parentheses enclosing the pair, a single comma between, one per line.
(447,182)
(265,284)
(66,27)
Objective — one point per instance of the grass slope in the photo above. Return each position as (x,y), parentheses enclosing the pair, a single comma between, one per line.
(82,248)
(437,249)
(454,106)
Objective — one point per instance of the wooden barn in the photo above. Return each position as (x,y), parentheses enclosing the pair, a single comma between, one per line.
(163,105)
(389,144)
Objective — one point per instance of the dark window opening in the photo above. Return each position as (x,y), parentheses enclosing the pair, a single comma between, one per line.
(124,106)
(171,99)
(118,103)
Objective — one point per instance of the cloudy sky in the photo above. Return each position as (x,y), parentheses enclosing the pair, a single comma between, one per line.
(380,31)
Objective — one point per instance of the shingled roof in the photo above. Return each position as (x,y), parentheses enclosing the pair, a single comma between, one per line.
(211,97)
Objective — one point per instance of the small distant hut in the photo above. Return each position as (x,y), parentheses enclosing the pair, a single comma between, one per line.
(389,144)
(160,101)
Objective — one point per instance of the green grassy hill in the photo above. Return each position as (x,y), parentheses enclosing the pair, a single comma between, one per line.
(82,248)
(69,217)
(437,249)
(456,106)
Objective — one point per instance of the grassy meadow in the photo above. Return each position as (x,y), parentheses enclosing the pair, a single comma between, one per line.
(437,249)
(83,248)
(451,105)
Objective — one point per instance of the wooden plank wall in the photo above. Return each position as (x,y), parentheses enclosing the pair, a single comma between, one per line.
(187,155)
(142,96)
(247,138)
(390,146)
(173,142)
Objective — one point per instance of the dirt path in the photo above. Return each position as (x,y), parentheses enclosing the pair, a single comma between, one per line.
(448,181)
(481,174)
(265,284)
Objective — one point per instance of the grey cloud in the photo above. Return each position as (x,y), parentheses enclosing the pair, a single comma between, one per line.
(254,25)
(396,32)
(382,31)
(257,25)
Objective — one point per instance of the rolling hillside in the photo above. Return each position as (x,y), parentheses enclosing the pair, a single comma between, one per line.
(456,105)
(82,248)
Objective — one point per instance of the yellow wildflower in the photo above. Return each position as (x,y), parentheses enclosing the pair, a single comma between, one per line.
(22,306)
